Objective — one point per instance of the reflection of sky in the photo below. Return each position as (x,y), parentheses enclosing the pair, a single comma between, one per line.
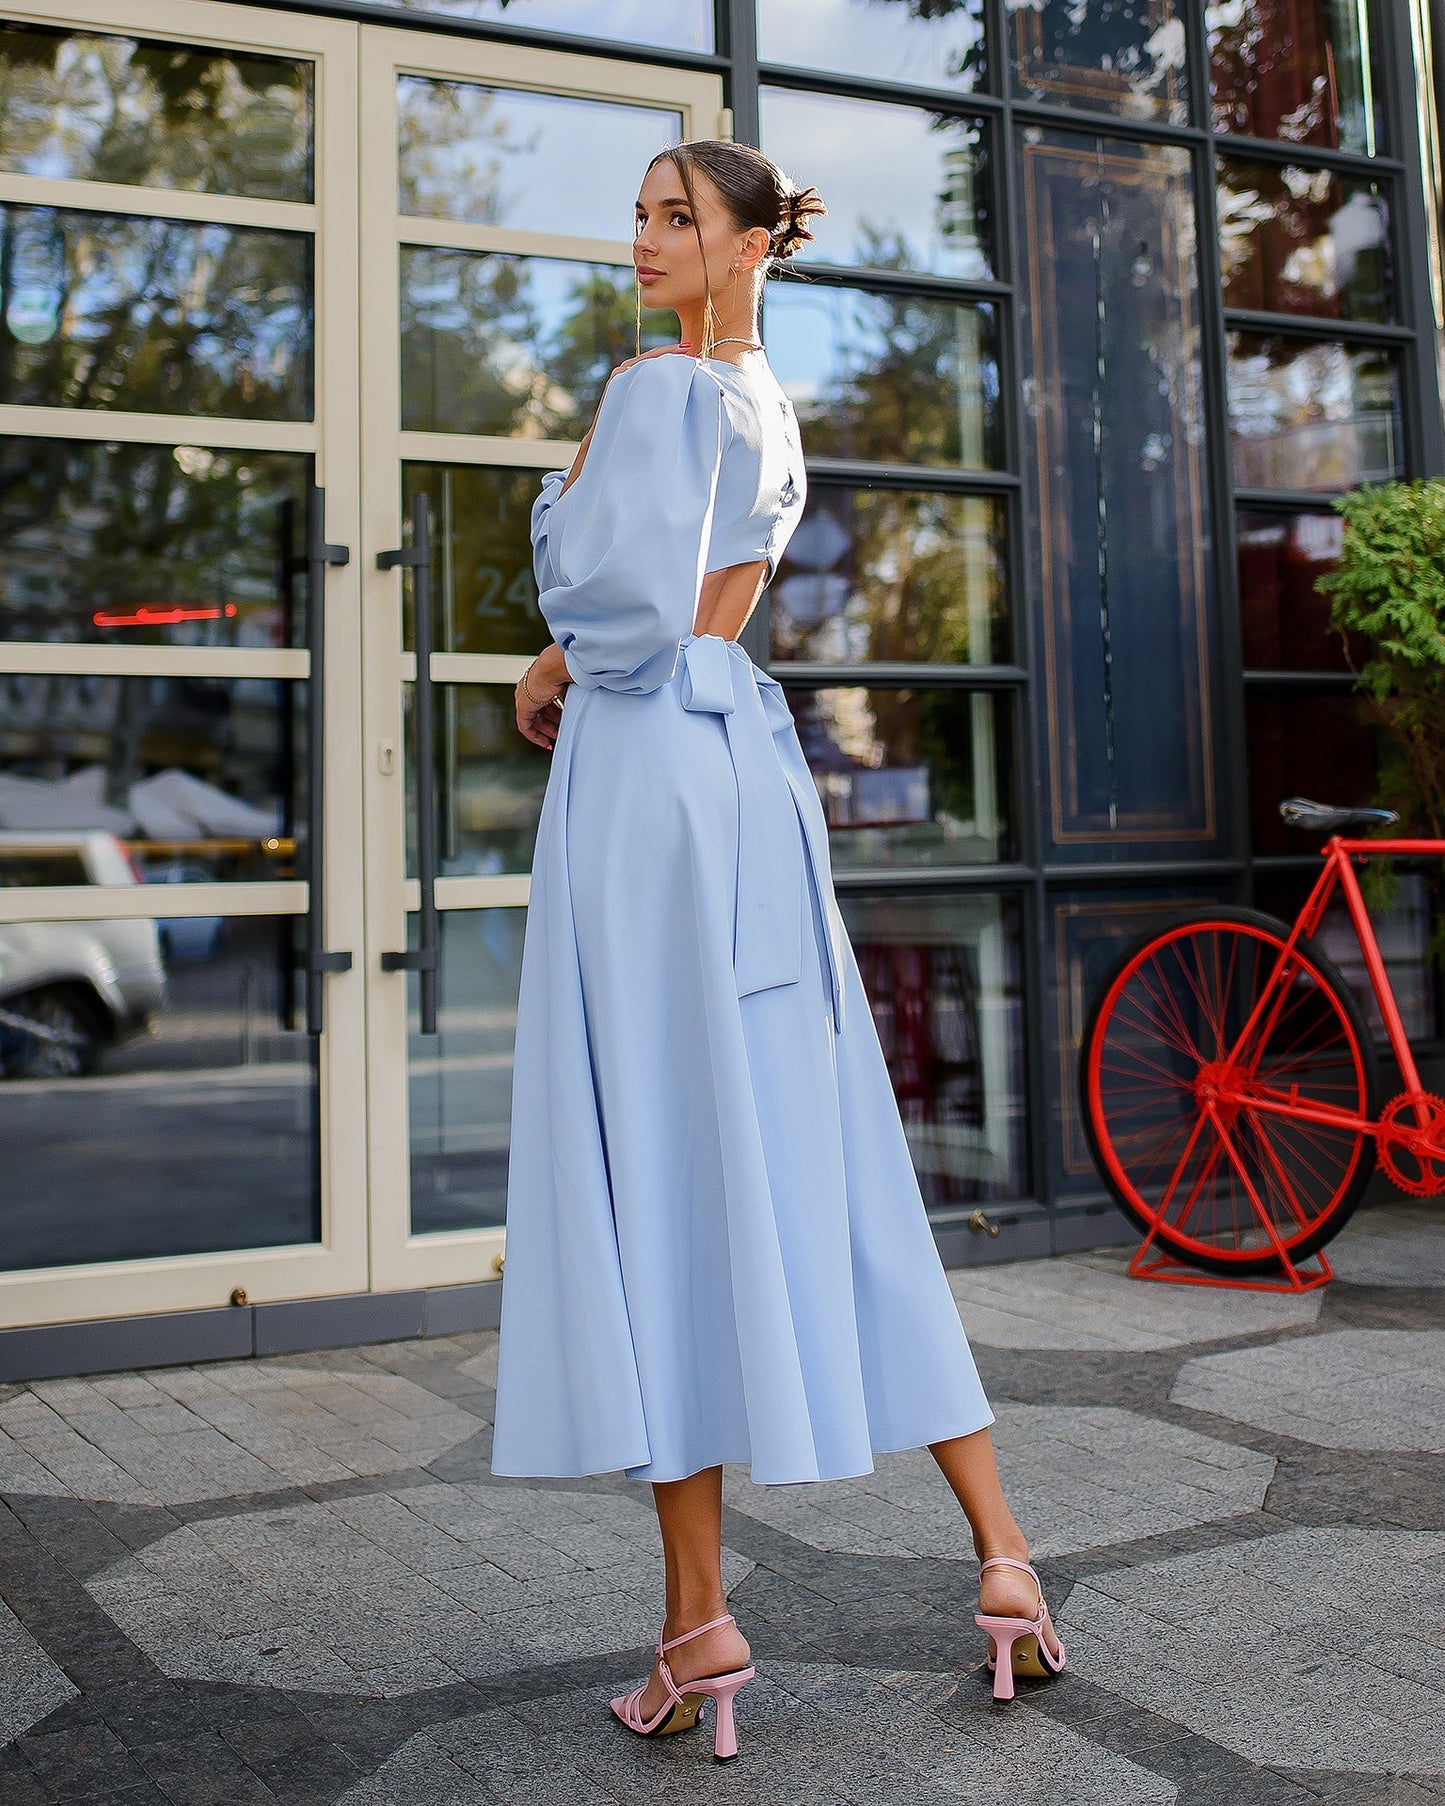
(869,37)
(521,167)
(669,24)
(879,167)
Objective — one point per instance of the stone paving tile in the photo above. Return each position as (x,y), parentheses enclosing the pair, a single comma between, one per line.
(1072,1303)
(295,1579)
(384,1596)
(1346,1389)
(1317,1649)
(807,1733)
(220,1431)
(1079,1476)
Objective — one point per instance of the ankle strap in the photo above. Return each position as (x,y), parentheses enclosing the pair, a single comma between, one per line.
(1005,1561)
(688,1635)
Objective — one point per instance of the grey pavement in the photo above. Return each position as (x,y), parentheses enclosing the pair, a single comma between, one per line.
(295,1579)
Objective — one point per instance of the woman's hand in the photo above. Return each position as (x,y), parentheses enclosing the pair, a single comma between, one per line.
(538,697)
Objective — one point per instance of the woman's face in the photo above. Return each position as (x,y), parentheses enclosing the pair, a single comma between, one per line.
(665,250)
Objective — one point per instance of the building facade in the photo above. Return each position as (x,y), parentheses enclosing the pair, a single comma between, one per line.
(297,302)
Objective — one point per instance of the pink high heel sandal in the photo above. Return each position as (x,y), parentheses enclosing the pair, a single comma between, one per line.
(679,1711)
(1020,1642)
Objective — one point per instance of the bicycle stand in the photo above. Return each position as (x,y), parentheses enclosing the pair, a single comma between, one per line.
(1307,1276)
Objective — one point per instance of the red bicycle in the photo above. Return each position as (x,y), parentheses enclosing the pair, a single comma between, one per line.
(1230,1082)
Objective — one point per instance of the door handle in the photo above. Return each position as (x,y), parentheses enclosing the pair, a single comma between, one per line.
(319,961)
(423,958)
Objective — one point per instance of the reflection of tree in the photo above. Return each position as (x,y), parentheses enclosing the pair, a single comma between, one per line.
(915,381)
(922,578)
(88,527)
(969,63)
(107,311)
(511,345)
(451,150)
(122,110)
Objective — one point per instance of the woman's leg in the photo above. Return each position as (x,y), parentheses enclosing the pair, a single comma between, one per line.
(689,1513)
(969,1467)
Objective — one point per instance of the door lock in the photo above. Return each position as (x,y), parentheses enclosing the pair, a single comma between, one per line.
(386,758)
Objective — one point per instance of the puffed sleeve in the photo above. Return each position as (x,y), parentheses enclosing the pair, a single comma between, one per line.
(542,565)
(620,556)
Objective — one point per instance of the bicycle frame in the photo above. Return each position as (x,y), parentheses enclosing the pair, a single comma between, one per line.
(1339,871)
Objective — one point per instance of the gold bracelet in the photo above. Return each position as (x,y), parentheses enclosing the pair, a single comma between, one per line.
(535,701)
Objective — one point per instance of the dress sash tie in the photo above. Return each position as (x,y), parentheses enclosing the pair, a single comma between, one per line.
(776,795)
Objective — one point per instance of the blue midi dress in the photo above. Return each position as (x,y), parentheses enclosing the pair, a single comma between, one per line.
(716,1245)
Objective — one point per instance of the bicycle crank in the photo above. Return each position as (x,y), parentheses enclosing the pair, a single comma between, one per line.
(1411,1143)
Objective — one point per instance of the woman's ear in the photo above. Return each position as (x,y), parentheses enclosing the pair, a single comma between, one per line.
(754,248)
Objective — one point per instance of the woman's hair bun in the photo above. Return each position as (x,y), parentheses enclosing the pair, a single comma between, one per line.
(799,205)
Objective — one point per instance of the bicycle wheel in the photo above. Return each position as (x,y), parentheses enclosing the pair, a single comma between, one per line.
(1178,1126)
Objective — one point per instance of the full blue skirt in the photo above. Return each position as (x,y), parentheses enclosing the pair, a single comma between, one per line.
(716,1246)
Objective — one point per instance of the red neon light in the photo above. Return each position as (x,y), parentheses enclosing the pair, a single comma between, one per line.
(146,616)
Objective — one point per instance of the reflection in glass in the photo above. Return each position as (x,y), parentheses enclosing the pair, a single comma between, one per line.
(906,190)
(113,311)
(489,783)
(1402,928)
(943,979)
(1321,746)
(876,575)
(1296,69)
(886,377)
(939,44)
(193,774)
(79,105)
(1304,241)
(1116,479)
(461,1079)
(1306,414)
(174,545)
(665,24)
(197,1136)
(484,595)
(1285,622)
(505,157)
(909,777)
(1113,56)
(517,346)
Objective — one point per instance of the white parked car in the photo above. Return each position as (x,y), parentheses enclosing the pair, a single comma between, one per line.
(69,989)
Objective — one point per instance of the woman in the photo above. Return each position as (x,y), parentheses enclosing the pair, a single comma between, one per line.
(716,1244)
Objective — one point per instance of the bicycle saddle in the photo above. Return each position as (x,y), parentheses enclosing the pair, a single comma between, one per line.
(1320,818)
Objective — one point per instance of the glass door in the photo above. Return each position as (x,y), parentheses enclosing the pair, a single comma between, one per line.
(180,1035)
(497,292)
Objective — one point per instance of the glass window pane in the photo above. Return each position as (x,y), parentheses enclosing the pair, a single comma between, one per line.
(876,575)
(489,783)
(664,24)
(119,109)
(1306,414)
(172,1111)
(1304,241)
(1319,746)
(1113,56)
(503,157)
(113,311)
(1285,622)
(1117,483)
(460,1089)
(194,775)
(484,594)
(1296,69)
(173,545)
(910,777)
(517,346)
(1402,929)
(934,46)
(944,983)
(906,190)
(887,377)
